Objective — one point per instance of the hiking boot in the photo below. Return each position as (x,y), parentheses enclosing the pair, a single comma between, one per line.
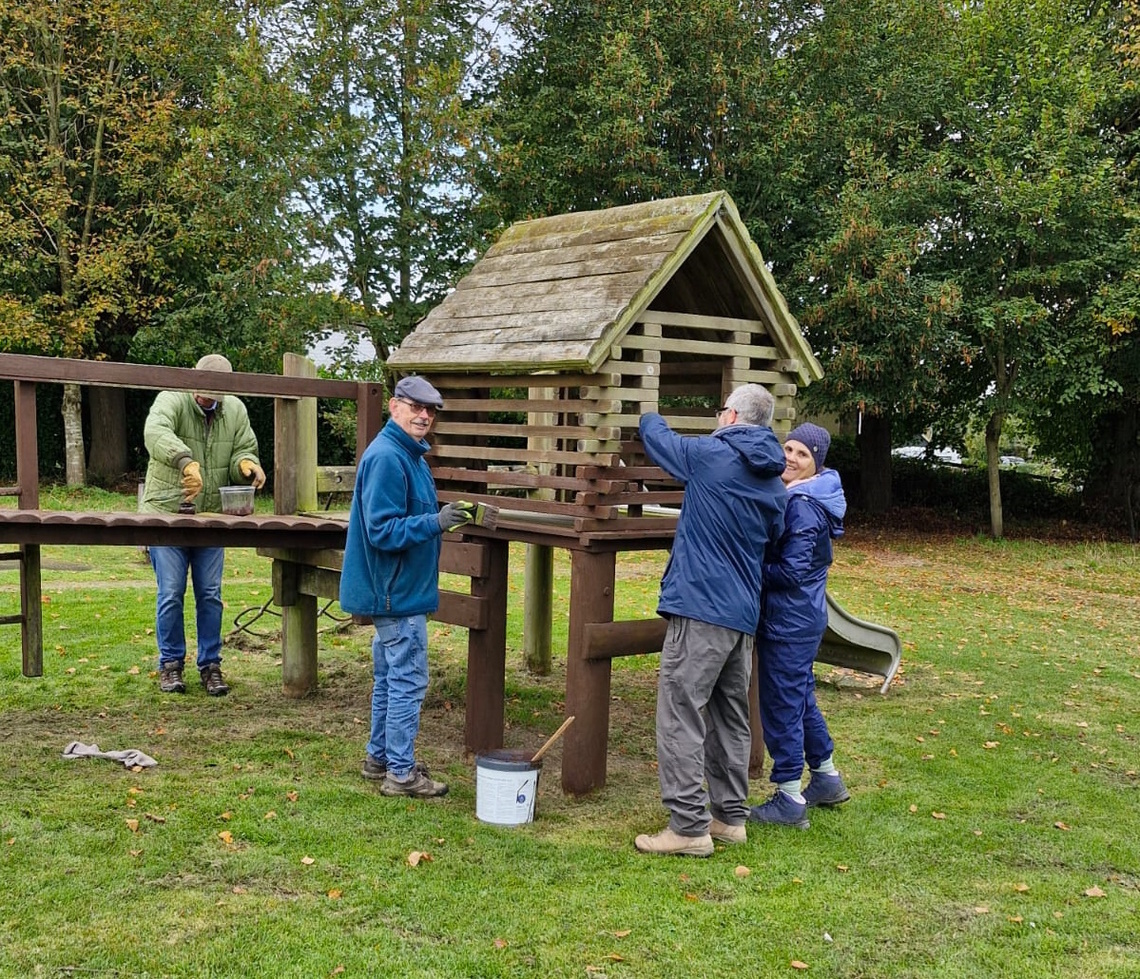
(418,785)
(373,770)
(727,834)
(669,843)
(170,679)
(826,790)
(782,810)
(212,680)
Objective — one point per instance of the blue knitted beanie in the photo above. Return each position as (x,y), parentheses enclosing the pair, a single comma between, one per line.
(815,438)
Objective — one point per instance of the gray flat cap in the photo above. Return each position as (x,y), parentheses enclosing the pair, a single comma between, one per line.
(417,389)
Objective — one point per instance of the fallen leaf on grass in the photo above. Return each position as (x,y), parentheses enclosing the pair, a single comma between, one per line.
(226,837)
(1021,888)
(133,825)
(291,796)
(912,808)
(289,753)
(797,964)
(623,934)
(335,894)
(416,857)
(742,871)
(691,897)
(1060,825)
(938,815)
(308,861)
(227,815)
(842,868)
(238,889)
(337,971)
(1094,891)
(154,818)
(133,671)
(991,744)
(981,909)
(1015,918)
(500,943)
(12,841)
(134,853)
(270,815)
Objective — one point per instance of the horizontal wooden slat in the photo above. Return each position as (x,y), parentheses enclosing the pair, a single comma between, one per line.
(519,430)
(522,405)
(527,505)
(513,379)
(532,456)
(470,560)
(336,479)
(704,348)
(633,637)
(703,322)
(466,611)
(106,373)
(525,480)
(474,304)
(628,255)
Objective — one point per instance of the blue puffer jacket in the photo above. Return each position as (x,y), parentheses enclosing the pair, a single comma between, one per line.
(391,556)
(734,504)
(794,604)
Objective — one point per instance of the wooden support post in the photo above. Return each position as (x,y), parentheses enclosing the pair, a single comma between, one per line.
(28,480)
(587,681)
(298,630)
(487,655)
(370,404)
(295,441)
(538,577)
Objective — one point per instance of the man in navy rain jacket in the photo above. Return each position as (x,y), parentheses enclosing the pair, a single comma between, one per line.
(710,593)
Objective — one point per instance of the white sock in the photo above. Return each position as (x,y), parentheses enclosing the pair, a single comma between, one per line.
(792,789)
(827,767)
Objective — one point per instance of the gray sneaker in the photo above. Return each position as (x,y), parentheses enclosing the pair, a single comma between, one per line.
(417,784)
(826,790)
(373,770)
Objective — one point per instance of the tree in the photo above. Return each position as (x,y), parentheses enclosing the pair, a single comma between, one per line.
(141,166)
(1038,210)
(393,124)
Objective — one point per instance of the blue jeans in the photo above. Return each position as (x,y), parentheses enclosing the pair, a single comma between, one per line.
(170,567)
(399,684)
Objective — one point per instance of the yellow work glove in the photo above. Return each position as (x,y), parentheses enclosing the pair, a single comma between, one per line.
(191,480)
(250,468)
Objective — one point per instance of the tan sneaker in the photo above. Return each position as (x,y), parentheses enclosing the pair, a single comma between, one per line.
(727,834)
(669,843)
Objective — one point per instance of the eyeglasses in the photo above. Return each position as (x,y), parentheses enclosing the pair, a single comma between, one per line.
(419,409)
(723,408)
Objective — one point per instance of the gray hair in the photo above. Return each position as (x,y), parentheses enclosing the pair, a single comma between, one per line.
(753,404)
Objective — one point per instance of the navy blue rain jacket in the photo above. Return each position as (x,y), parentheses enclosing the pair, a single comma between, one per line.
(391,554)
(794,602)
(734,504)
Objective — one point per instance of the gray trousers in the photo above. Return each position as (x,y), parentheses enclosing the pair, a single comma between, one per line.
(702,724)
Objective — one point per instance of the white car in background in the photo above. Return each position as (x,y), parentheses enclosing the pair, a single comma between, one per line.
(947,456)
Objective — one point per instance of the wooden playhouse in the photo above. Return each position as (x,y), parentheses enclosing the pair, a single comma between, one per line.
(548,352)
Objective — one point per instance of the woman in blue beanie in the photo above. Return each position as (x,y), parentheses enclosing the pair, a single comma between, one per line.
(793,618)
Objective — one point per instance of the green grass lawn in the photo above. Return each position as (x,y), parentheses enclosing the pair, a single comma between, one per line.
(994,828)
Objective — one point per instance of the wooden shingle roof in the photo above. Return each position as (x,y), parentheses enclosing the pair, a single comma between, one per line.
(558,293)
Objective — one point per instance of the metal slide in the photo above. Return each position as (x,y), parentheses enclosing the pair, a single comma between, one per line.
(857,645)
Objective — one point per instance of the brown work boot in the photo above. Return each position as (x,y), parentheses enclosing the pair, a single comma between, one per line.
(674,844)
(727,834)
(418,785)
(170,679)
(212,680)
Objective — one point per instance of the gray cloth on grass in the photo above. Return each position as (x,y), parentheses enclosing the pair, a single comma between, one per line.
(130,757)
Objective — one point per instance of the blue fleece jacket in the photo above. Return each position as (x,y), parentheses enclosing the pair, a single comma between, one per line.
(391,555)
(794,603)
(734,503)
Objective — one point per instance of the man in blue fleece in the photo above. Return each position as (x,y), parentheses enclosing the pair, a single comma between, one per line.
(390,573)
(710,593)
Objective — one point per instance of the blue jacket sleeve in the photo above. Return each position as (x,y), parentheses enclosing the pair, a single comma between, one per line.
(793,561)
(394,518)
(665,447)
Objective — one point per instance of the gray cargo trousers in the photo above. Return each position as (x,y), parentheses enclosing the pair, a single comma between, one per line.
(702,724)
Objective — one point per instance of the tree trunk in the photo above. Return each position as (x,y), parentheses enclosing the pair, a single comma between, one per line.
(107,460)
(1115,469)
(993,471)
(874,442)
(72,411)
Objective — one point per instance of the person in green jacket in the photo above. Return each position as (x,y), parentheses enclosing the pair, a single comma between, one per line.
(197,441)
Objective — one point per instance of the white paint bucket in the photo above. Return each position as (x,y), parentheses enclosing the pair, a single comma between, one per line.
(506,787)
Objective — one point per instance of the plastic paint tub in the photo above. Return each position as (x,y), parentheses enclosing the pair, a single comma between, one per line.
(237,500)
(506,787)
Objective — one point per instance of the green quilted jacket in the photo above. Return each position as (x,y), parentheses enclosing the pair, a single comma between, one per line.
(176,432)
